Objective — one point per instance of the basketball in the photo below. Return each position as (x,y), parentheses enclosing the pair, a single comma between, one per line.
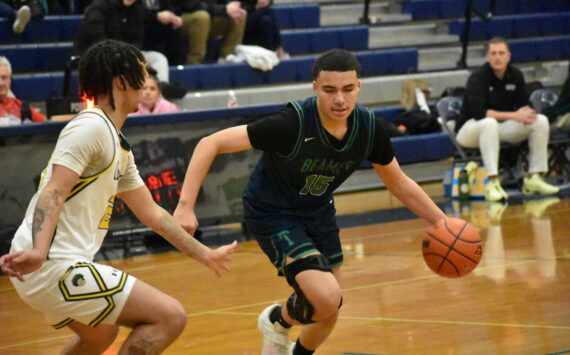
(452,247)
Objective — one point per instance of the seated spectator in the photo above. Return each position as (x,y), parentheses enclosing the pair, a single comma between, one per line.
(559,113)
(12,110)
(206,19)
(163,31)
(21,16)
(496,108)
(152,100)
(121,20)
(261,27)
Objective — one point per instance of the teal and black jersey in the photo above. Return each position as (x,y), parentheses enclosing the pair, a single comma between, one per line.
(302,164)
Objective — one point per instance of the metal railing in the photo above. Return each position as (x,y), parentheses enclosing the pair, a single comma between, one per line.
(469,11)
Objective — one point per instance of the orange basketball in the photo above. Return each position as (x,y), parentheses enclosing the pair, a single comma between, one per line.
(452,247)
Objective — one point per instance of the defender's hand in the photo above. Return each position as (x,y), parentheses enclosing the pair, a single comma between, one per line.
(220,259)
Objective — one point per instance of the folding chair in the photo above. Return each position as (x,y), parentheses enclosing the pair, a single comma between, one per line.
(558,163)
(542,99)
(448,107)
(512,159)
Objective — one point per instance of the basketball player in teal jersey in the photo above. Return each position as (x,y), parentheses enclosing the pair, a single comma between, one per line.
(69,216)
(309,148)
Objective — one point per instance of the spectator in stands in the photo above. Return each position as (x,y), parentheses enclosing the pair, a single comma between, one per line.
(559,113)
(20,16)
(206,19)
(12,110)
(152,100)
(496,108)
(261,27)
(163,31)
(120,20)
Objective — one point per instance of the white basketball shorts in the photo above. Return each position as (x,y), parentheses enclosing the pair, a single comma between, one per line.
(75,290)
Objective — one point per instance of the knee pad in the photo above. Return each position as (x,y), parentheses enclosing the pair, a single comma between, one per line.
(312,262)
(298,306)
(300,309)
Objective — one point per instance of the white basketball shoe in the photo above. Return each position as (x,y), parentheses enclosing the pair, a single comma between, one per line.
(275,336)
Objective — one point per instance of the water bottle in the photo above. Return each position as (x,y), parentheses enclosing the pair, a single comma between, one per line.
(232,101)
(463,184)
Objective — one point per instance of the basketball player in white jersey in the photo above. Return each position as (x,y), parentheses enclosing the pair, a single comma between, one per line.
(51,259)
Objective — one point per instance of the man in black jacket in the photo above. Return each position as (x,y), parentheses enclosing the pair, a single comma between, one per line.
(122,20)
(496,108)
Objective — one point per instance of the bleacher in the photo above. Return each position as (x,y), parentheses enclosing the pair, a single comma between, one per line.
(445,9)
(404,39)
(407,39)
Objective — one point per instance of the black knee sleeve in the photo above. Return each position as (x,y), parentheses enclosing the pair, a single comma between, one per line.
(300,309)
(298,306)
(312,262)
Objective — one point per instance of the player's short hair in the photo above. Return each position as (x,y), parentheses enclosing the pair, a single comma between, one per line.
(5,62)
(336,60)
(107,60)
(497,40)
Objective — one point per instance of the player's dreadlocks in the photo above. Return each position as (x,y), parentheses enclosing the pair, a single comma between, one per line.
(107,60)
(336,60)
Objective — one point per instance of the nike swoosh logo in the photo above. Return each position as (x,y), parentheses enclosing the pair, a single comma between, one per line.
(309,139)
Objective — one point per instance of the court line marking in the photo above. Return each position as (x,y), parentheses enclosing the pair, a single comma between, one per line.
(134,269)
(427,321)
(429,276)
(435,321)
(228,311)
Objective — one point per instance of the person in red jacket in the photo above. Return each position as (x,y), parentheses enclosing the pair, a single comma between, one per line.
(12,110)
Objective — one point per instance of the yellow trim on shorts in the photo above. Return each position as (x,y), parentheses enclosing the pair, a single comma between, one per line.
(104,293)
(105,313)
(63,323)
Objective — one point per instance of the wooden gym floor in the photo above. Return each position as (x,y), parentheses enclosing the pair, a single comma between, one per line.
(516,302)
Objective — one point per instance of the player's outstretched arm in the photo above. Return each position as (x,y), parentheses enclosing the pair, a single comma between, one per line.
(231,140)
(155,217)
(46,216)
(408,191)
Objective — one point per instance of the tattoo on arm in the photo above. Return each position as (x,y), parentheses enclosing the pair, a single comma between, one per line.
(44,207)
(39,218)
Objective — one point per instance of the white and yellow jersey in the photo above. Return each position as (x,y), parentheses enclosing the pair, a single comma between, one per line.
(91,146)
